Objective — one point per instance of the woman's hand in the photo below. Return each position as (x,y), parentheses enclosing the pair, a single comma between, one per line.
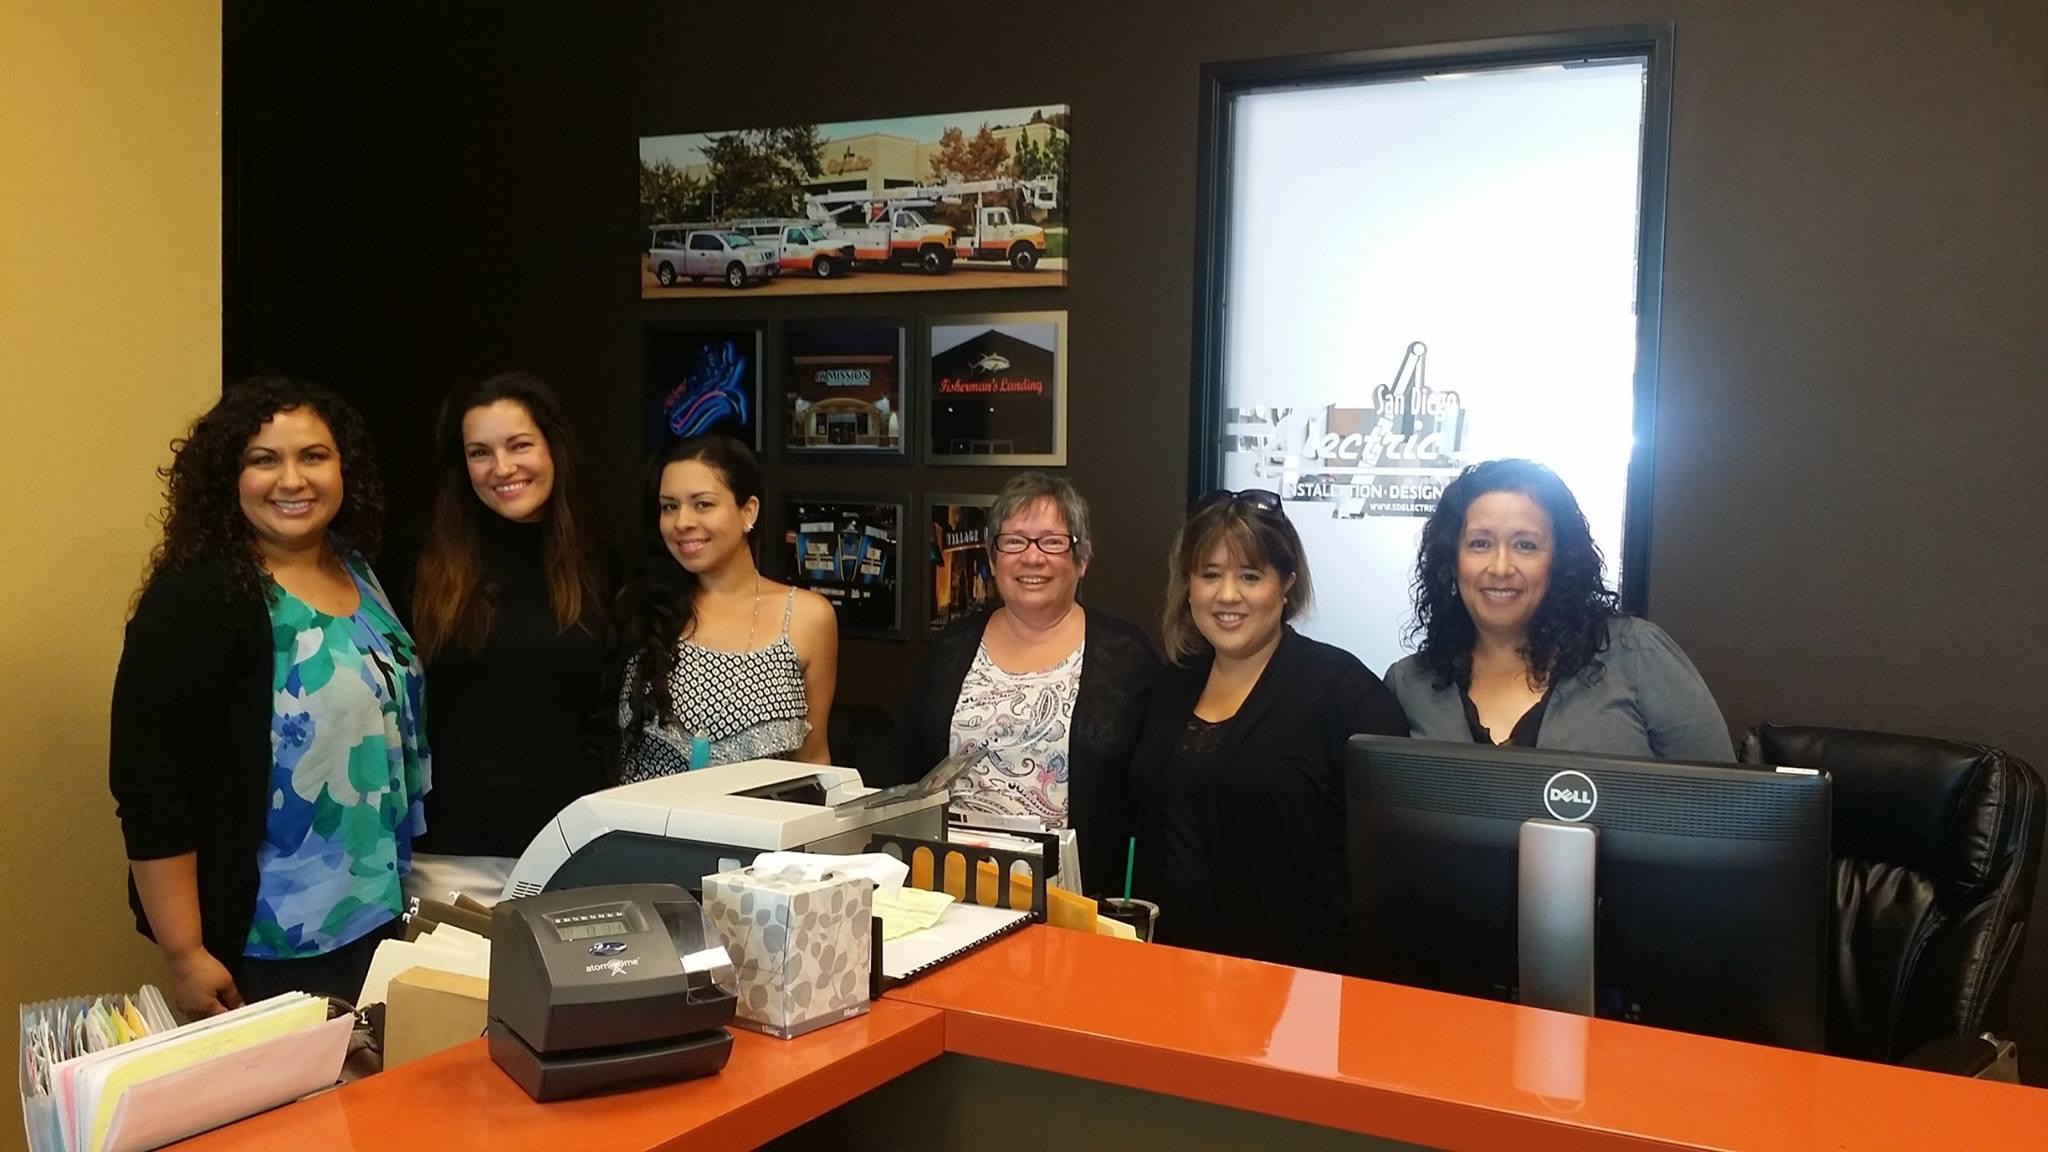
(169,888)
(200,984)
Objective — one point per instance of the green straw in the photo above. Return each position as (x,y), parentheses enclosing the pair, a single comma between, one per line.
(1130,863)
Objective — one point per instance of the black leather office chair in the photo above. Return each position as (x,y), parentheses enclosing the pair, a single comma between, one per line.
(1936,847)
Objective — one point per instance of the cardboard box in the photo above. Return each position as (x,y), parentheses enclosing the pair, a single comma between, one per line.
(427,1010)
(800,947)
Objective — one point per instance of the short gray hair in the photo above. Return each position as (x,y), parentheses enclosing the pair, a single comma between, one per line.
(1028,488)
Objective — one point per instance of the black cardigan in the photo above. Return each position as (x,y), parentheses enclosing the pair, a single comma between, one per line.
(1116,676)
(1270,875)
(189,758)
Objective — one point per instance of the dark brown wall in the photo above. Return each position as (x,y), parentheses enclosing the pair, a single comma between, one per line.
(1854,381)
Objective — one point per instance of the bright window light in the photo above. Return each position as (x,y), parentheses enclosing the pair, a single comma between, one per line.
(1421,276)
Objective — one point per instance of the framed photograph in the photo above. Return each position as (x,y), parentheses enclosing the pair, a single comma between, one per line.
(961,580)
(843,389)
(995,389)
(921,203)
(704,380)
(849,550)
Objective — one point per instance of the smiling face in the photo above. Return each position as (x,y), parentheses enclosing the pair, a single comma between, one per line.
(290,484)
(1504,558)
(1237,606)
(510,468)
(1031,581)
(701,522)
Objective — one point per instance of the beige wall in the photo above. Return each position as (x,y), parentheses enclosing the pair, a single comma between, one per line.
(110,297)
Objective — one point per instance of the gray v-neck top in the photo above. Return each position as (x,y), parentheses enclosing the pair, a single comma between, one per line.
(1643,699)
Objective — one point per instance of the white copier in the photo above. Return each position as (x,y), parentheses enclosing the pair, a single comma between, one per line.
(678,829)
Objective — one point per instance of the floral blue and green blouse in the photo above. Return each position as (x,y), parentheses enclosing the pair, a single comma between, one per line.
(349,773)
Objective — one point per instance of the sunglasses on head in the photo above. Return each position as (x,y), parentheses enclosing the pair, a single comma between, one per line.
(1261,499)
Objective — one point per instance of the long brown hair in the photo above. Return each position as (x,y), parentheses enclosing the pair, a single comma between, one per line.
(452,605)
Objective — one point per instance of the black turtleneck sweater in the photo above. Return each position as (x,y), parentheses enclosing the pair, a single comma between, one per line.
(510,726)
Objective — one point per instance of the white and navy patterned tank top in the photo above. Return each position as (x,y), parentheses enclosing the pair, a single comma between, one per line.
(749,705)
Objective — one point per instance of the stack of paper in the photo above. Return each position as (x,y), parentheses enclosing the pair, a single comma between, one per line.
(54,1032)
(959,929)
(445,948)
(904,910)
(987,829)
(156,1084)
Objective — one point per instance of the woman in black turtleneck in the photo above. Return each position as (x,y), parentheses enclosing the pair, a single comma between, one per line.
(509,608)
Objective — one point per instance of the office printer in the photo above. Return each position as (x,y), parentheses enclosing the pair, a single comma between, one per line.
(606,988)
(678,829)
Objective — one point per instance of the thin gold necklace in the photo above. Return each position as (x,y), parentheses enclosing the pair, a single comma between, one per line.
(756,621)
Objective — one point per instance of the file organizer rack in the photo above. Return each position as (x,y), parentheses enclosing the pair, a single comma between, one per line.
(942,852)
(205,1093)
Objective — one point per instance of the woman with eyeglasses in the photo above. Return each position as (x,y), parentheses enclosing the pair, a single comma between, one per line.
(1239,779)
(1523,643)
(1052,692)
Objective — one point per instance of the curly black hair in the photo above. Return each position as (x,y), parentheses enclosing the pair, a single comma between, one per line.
(202,514)
(1569,630)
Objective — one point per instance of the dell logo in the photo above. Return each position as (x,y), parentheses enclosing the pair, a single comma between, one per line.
(1570,796)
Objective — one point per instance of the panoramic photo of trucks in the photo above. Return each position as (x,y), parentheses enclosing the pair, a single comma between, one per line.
(911,204)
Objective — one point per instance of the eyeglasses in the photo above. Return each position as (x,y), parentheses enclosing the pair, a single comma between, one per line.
(1055,544)
(1261,499)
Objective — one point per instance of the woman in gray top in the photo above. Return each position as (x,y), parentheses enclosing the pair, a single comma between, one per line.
(1522,642)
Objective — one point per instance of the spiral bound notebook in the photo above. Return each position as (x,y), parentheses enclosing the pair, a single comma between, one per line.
(962,929)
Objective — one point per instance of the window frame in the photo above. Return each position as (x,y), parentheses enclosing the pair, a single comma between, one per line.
(1223,82)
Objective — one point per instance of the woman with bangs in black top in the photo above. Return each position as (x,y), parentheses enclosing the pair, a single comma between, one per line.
(1239,776)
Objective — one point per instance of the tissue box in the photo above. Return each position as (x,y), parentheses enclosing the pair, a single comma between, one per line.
(800,947)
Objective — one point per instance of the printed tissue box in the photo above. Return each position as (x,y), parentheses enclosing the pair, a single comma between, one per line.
(800,947)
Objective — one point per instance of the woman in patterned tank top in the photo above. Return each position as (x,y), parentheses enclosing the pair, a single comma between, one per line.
(719,660)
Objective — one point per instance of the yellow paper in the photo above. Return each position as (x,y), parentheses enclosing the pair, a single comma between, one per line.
(906,910)
(172,1055)
(1115,929)
(1063,909)
(133,1018)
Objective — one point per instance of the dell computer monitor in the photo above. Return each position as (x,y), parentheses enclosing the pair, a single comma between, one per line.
(1709,910)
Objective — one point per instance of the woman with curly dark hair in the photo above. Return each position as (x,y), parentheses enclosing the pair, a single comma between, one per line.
(267,758)
(1521,641)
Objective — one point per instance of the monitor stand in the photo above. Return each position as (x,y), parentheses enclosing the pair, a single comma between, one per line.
(1554,907)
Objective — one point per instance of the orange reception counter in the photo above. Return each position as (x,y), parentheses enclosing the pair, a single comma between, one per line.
(1053,1038)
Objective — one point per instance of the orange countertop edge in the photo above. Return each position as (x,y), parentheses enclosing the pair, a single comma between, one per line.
(459,1100)
(1443,1071)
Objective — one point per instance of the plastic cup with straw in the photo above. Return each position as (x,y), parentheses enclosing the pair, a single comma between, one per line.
(1141,915)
